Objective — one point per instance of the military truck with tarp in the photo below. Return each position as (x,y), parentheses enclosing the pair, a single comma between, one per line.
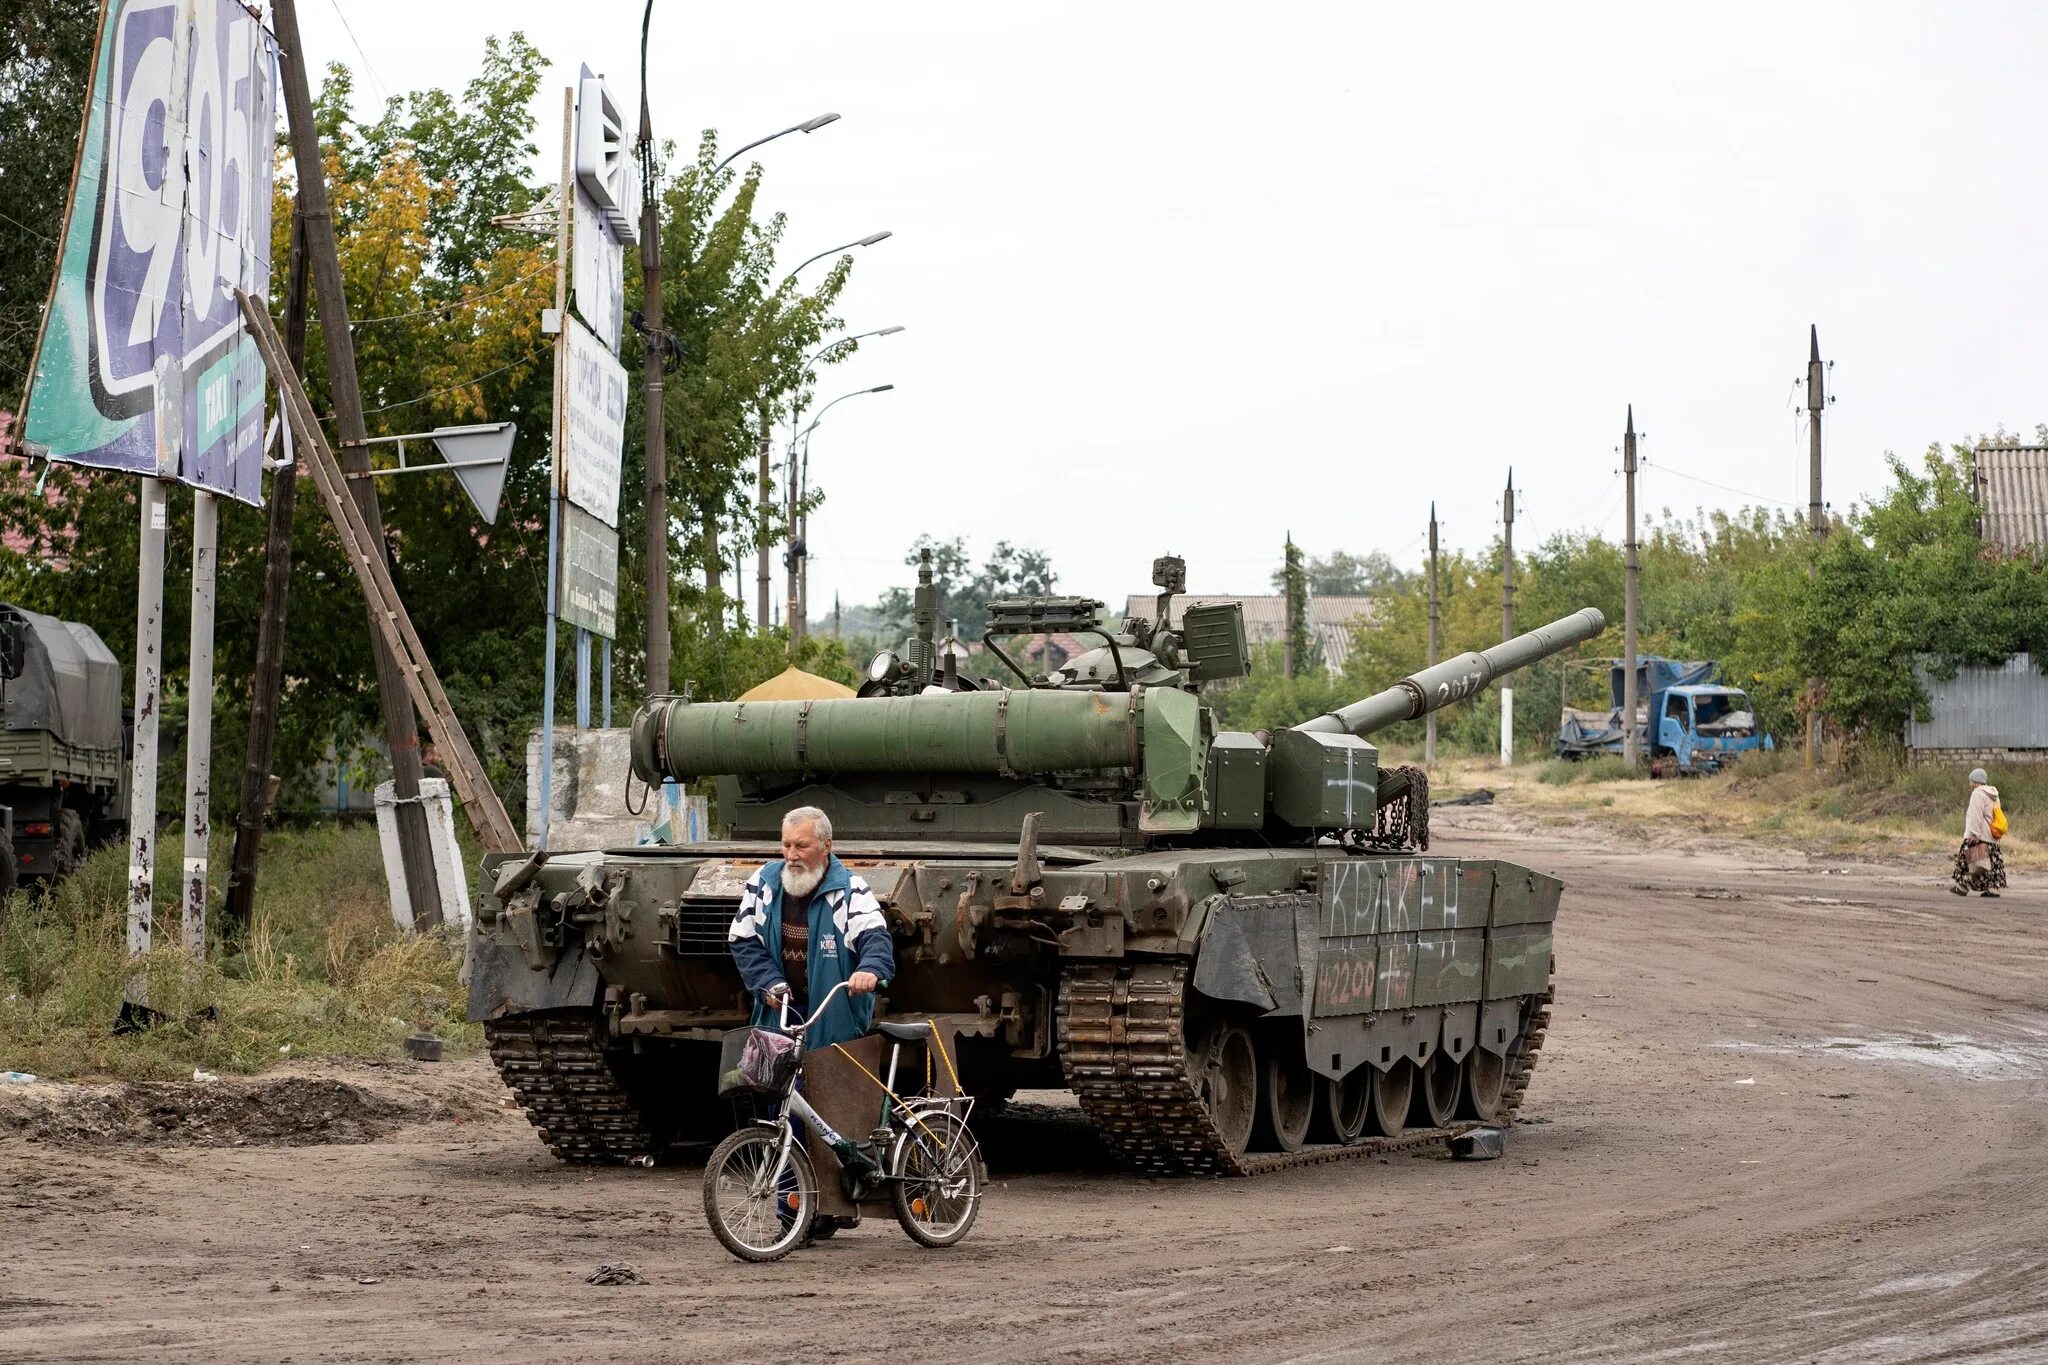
(1234,947)
(63,770)
(1687,722)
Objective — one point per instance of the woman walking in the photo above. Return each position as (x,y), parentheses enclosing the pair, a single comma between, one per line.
(1979,866)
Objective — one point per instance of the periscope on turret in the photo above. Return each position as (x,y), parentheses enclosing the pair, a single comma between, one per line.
(1236,949)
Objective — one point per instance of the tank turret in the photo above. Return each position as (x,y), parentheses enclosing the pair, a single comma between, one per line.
(1115,747)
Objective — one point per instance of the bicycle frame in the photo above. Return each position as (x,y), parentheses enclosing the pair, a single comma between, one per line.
(794,1102)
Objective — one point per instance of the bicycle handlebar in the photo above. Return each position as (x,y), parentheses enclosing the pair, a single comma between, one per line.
(797,1030)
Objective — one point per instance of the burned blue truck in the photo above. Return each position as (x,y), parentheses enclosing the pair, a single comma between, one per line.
(1687,723)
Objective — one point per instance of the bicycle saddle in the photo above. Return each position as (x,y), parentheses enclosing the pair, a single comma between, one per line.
(915,1031)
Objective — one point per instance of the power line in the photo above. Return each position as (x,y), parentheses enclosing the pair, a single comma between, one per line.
(29,230)
(476,379)
(336,4)
(1667,469)
(468,302)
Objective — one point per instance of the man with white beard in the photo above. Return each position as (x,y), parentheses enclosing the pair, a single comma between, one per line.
(806,924)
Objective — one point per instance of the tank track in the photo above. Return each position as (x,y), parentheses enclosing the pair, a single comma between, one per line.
(1527,1057)
(1121,1043)
(555,1063)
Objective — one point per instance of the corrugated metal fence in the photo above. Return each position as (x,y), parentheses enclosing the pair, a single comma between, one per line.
(1984,708)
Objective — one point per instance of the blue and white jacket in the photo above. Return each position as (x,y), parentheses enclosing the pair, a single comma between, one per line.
(848,935)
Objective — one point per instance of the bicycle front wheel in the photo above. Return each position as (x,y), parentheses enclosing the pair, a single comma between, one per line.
(936,1189)
(755,1215)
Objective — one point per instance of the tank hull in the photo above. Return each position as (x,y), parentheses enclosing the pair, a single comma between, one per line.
(1147,983)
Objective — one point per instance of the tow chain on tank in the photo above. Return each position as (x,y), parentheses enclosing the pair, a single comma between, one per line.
(555,1064)
(1121,1046)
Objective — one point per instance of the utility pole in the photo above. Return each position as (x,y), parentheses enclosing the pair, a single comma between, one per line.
(1816,518)
(654,354)
(835,616)
(1507,617)
(401,730)
(1630,746)
(1815,401)
(1429,725)
(1287,582)
(793,555)
(761,506)
(714,570)
(800,600)
(268,683)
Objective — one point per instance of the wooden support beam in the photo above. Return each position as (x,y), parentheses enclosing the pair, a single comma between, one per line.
(479,800)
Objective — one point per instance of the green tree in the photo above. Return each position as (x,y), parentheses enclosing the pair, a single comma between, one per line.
(1299,657)
(45,57)
(1904,580)
(964,590)
(1347,575)
(742,332)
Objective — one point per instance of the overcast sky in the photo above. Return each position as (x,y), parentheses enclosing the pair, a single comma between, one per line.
(1186,277)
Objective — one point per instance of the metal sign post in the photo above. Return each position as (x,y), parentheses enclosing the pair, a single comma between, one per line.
(477,455)
(555,463)
(199,733)
(149,653)
(595,213)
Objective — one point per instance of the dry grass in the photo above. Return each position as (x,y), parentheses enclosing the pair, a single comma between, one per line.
(322,972)
(1875,807)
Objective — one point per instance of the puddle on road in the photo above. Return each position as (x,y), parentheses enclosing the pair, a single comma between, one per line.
(1947,1052)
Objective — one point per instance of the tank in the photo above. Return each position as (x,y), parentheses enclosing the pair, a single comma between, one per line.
(1236,949)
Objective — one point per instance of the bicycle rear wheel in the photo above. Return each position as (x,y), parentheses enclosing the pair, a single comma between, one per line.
(755,1216)
(937,1187)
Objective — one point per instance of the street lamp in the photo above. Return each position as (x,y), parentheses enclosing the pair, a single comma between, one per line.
(798,475)
(868,240)
(795,407)
(843,341)
(807,126)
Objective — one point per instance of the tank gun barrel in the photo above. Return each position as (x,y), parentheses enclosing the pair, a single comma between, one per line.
(1455,679)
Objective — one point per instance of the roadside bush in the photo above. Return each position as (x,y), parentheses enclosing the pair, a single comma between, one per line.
(322,972)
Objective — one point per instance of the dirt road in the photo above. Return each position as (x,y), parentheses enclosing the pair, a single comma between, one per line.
(1790,1111)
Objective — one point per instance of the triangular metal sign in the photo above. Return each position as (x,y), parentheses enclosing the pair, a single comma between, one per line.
(478,455)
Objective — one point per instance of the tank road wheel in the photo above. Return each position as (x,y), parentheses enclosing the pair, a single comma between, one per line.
(1486,1087)
(1227,1081)
(1287,1094)
(1436,1098)
(1347,1105)
(1390,1093)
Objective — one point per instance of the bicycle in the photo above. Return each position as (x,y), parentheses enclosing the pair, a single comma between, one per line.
(761,1187)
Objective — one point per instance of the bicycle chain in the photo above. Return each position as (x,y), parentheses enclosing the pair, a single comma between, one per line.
(555,1063)
(1121,1031)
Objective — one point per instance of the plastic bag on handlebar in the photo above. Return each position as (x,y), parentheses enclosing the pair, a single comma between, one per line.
(756,1062)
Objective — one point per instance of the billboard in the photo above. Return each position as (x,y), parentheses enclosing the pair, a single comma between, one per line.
(143,363)
(595,445)
(590,573)
(599,263)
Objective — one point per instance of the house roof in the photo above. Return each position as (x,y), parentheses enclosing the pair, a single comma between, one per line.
(2012,497)
(1265,615)
(1330,619)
